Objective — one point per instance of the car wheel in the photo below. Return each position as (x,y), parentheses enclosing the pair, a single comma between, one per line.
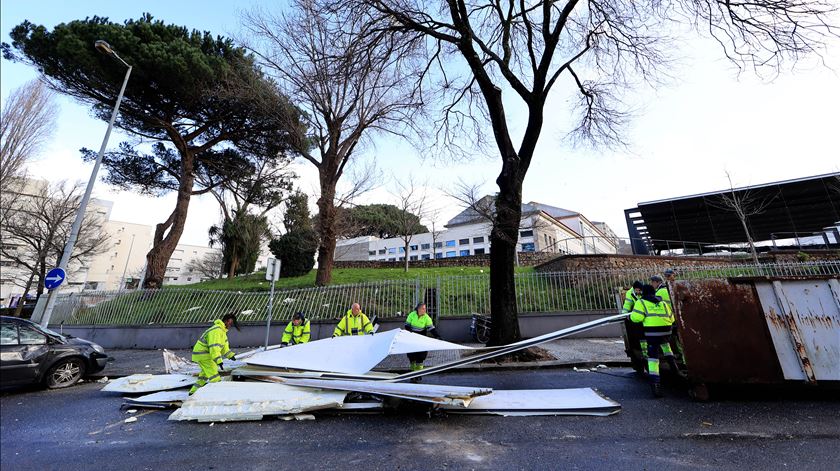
(65,373)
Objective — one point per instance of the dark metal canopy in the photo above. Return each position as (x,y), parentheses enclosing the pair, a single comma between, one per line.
(800,207)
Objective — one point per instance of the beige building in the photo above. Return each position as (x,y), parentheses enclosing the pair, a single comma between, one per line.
(124,262)
(13,278)
(179,271)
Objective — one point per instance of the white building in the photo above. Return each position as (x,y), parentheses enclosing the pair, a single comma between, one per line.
(179,271)
(543,228)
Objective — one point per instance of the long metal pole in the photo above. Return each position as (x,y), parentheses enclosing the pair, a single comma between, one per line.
(80,213)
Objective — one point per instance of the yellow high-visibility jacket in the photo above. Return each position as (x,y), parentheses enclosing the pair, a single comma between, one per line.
(630,299)
(213,344)
(353,325)
(295,334)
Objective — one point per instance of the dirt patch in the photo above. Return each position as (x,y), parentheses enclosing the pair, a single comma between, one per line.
(528,355)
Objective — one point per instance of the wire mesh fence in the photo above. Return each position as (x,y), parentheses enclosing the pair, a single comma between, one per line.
(446,296)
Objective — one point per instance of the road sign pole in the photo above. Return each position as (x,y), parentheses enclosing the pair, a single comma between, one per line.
(272,272)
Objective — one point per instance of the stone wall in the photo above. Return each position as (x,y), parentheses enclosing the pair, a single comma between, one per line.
(526,259)
(656,263)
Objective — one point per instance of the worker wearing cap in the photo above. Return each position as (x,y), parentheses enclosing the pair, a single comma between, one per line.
(661,289)
(211,349)
(355,322)
(297,331)
(656,318)
(419,322)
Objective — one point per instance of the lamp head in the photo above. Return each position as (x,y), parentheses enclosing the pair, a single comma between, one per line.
(103,47)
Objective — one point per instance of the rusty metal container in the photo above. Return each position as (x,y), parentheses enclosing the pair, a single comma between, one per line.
(754,330)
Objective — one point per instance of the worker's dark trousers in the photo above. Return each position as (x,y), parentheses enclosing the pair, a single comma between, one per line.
(417,357)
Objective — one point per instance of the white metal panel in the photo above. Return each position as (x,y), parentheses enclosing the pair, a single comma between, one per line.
(162,396)
(141,383)
(438,394)
(578,401)
(803,317)
(231,401)
(350,354)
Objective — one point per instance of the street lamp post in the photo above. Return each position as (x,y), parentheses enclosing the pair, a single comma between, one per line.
(106,49)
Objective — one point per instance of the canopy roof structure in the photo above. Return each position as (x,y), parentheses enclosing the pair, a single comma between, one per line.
(791,208)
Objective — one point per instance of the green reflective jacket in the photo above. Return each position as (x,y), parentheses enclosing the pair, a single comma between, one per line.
(213,344)
(353,325)
(295,334)
(418,324)
(630,299)
(664,294)
(652,314)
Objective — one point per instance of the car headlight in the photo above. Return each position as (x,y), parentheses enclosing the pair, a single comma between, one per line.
(98,348)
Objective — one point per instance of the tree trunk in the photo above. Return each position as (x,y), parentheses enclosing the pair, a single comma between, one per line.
(19,307)
(326,232)
(503,239)
(749,240)
(234,263)
(406,254)
(42,274)
(163,244)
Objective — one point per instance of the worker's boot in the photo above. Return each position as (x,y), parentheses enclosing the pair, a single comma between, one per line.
(656,389)
(675,368)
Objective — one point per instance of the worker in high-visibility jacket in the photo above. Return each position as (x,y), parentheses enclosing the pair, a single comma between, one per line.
(661,289)
(297,331)
(419,322)
(355,322)
(656,318)
(211,349)
(630,297)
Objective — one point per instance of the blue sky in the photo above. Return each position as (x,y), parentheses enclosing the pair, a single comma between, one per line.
(685,136)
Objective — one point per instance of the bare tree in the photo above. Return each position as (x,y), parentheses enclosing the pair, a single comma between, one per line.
(350,79)
(744,203)
(211,265)
(37,228)
(602,48)
(410,200)
(27,123)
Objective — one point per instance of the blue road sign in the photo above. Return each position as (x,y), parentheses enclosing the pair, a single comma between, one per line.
(54,278)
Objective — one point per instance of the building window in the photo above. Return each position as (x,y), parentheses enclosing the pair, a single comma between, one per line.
(402,249)
(372,252)
(175,279)
(463,253)
(439,255)
(413,248)
(392,250)
(401,259)
(381,251)
(425,246)
(478,240)
(426,256)
(189,279)
(438,245)
(413,258)
(528,247)
(526,233)
(450,253)
(464,241)
(392,259)
(450,243)
(478,251)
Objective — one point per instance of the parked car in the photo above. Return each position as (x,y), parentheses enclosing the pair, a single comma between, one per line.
(30,354)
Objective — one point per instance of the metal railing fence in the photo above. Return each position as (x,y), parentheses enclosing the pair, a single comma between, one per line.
(445,296)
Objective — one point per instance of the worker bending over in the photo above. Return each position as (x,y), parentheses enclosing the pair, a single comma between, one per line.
(355,322)
(211,349)
(297,331)
(419,322)
(656,318)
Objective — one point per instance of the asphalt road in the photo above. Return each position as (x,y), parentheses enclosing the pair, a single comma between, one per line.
(83,428)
